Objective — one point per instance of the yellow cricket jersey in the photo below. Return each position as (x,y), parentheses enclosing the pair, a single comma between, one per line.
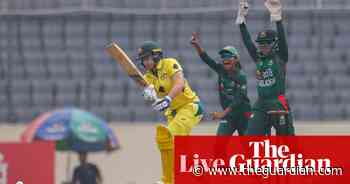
(162,82)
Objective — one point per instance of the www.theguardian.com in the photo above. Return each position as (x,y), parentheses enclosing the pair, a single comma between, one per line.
(265,172)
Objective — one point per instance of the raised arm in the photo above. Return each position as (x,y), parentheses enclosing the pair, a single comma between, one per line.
(275,9)
(204,56)
(282,41)
(240,20)
(248,42)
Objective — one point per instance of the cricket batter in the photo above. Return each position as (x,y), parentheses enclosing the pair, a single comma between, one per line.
(271,57)
(173,97)
(232,86)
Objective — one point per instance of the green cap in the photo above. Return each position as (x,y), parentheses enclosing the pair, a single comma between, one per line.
(228,52)
(148,48)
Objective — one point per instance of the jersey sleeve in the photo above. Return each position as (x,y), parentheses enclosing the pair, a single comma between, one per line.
(172,67)
(247,40)
(283,46)
(211,63)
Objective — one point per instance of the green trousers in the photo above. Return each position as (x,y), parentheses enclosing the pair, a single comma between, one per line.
(261,122)
(229,125)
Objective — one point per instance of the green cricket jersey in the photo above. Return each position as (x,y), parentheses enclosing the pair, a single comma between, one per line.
(232,86)
(270,70)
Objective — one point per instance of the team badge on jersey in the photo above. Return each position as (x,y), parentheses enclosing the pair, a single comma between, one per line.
(270,63)
(259,75)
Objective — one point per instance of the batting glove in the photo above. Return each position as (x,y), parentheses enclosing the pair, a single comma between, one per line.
(275,9)
(242,11)
(149,93)
(162,104)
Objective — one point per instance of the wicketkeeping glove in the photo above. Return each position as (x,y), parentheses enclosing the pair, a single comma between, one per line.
(275,9)
(242,11)
(162,104)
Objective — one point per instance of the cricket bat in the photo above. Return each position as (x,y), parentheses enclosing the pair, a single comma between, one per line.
(125,62)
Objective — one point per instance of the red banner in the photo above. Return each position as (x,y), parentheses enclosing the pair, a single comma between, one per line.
(260,160)
(31,163)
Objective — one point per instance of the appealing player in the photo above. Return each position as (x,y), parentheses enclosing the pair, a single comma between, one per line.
(232,86)
(271,57)
(174,98)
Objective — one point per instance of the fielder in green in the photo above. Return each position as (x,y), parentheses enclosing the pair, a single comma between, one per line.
(271,57)
(232,86)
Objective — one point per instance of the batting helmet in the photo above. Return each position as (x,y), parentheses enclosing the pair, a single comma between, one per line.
(149,48)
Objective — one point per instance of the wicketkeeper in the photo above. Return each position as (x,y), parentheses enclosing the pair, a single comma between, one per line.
(270,57)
